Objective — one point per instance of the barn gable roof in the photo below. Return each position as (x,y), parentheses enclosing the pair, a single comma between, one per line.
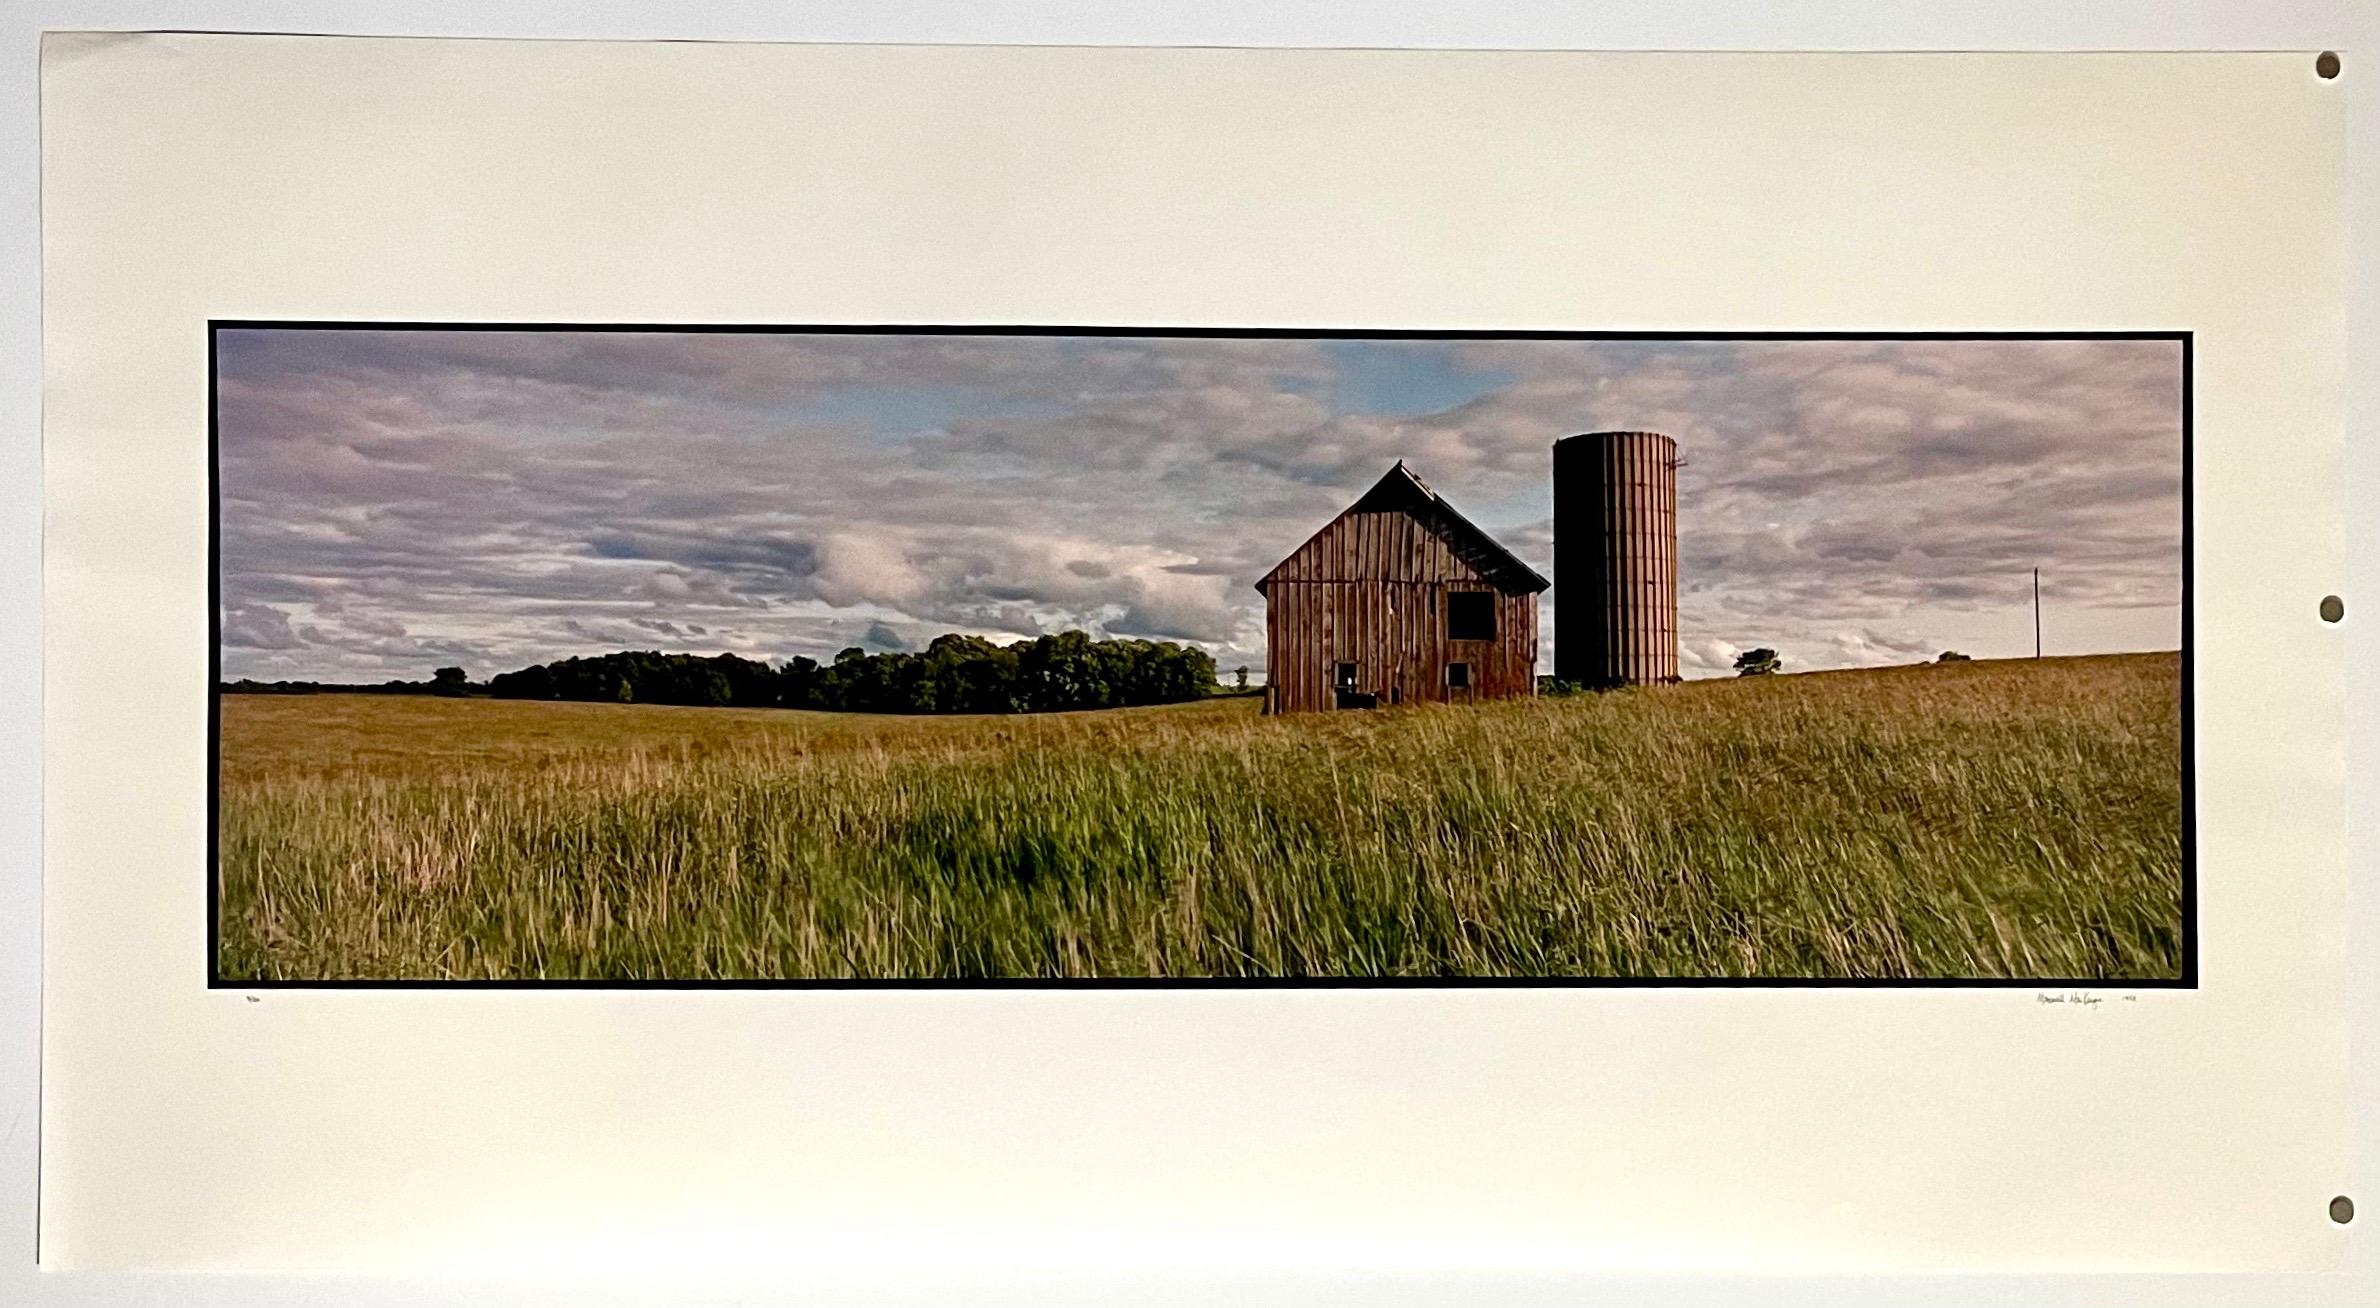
(1401,491)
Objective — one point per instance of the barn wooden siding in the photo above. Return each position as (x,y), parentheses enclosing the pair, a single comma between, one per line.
(1371,589)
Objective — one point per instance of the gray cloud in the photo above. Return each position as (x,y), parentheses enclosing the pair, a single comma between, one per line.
(258,626)
(396,500)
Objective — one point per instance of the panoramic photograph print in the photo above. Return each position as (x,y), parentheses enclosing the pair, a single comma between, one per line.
(961,656)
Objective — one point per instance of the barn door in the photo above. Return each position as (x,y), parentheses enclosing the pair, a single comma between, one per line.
(1344,694)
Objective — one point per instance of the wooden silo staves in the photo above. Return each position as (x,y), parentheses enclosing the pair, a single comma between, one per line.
(1616,550)
(1399,599)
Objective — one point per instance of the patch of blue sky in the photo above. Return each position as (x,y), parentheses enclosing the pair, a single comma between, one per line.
(1404,378)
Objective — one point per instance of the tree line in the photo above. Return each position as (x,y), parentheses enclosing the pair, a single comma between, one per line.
(955,674)
(445,681)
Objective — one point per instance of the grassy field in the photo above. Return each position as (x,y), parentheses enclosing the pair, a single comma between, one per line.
(1986,819)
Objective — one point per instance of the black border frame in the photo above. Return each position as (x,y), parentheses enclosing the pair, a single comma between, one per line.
(2188,980)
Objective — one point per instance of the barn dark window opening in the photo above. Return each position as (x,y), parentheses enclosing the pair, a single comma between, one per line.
(1470,615)
(1347,675)
(1458,674)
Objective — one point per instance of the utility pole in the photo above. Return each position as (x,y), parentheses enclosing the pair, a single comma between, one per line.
(2036,613)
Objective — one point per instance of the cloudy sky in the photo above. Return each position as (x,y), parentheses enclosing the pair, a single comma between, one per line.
(394,501)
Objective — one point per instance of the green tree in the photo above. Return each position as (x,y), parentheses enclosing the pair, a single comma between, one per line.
(1757,662)
(1953,656)
(954,674)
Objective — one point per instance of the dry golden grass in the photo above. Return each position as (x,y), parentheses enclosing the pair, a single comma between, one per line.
(1970,820)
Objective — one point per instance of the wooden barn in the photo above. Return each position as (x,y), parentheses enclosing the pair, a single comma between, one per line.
(1397,600)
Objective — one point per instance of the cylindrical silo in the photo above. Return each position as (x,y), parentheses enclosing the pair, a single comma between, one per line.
(1616,558)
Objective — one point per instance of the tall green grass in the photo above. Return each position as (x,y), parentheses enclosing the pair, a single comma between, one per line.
(1977,820)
